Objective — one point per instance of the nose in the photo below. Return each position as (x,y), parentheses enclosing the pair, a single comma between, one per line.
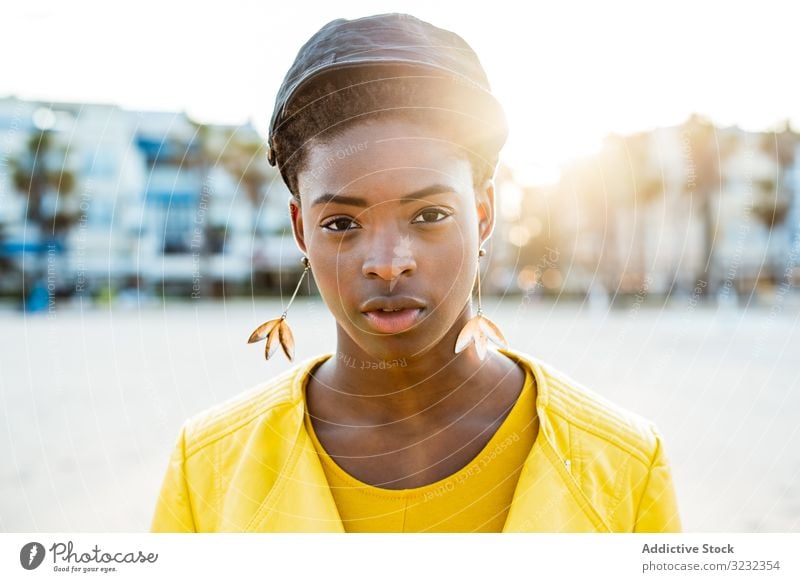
(389,257)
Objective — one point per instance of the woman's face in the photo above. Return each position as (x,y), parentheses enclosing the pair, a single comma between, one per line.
(390,220)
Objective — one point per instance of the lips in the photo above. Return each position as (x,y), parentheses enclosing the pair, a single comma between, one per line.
(392,314)
(393,321)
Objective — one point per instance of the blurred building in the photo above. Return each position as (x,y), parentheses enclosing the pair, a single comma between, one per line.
(666,211)
(94,198)
(98,200)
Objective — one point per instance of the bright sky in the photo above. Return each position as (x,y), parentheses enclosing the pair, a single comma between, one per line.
(567,72)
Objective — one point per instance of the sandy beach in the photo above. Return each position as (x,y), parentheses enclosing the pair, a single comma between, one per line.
(91,399)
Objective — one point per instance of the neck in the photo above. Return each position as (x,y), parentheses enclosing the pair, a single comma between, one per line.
(389,388)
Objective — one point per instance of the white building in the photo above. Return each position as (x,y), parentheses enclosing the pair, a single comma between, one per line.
(158,203)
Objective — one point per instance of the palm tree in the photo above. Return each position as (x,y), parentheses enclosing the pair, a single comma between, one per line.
(703,180)
(246,160)
(41,174)
(772,201)
(772,205)
(642,186)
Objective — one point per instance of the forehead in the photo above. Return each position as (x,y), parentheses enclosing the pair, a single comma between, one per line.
(383,158)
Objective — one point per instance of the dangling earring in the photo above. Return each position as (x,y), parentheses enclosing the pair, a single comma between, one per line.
(480,328)
(277,330)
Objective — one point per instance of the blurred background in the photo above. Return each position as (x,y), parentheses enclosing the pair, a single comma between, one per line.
(647,241)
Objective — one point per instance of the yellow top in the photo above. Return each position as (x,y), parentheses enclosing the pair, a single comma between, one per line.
(476,498)
(248,465)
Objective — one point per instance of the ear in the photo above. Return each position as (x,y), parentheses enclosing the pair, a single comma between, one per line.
(296,212)
(485,206)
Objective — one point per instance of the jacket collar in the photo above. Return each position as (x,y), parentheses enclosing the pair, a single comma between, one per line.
(547,497)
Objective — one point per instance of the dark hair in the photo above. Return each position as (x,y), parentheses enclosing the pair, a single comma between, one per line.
(331,104)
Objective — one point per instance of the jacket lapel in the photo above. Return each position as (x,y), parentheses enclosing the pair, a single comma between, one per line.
(300,499)
(546,500)
(304,502)
(547,497)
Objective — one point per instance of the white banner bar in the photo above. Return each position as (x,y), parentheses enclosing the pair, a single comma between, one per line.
(401,557)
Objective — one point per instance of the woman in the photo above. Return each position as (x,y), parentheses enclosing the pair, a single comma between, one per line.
(387,135)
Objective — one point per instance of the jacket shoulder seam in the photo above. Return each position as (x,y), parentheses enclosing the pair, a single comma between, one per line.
(608,437)
(219,435)
(641,447)
(223,419)
(185,477)
(650,466)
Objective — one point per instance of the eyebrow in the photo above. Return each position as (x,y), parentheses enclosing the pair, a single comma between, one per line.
(355,201)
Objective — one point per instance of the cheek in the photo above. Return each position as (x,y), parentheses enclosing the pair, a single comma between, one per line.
(332,270)
(461,283)
(449,275)
(331,295)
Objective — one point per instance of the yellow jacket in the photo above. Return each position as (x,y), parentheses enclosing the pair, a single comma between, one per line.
(247,465)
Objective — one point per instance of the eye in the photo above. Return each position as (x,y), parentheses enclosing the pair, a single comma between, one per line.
(341,223)
(430,215)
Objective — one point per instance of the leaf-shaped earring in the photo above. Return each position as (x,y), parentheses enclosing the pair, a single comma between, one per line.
(480,329)
(277,330)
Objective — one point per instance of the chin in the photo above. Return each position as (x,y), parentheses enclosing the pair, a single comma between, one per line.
(408,346)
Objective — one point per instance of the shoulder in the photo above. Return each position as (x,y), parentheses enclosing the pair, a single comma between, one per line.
(614,456)
(237,413)
(575,410)
(591,413)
